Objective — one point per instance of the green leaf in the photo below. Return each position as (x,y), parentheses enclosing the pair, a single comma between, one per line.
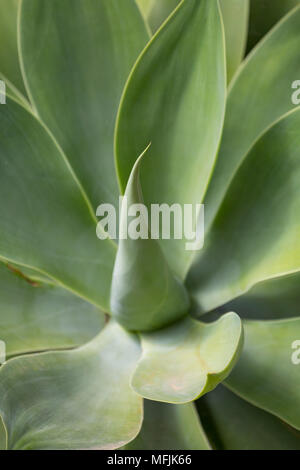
(46,222)
(156,12)
(76,57)
(9,60)
(255,236)
(234,424)
(264,14)
(274,299)
(170,427)
(3,436)
(160,11)
(35,317)
(235,16)
(145,6)
(267,374)
(260,94)
(187,360)
(181,113)
(145,294)
(78,399)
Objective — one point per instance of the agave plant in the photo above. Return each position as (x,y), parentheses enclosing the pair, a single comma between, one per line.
(140,343)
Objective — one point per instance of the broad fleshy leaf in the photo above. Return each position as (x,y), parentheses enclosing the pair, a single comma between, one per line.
(46,222)
(181,114)
(76,56)
(36,316)
(260,94)
(9,60)
(170,427)
(235,17)
(277,298)
(78,399)
(145,294)
(267,375)
(255,236)
(156,12)
(264,14)
(187,360)
(233,424)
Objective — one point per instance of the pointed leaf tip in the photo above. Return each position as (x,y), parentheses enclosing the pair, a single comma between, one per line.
(145,294)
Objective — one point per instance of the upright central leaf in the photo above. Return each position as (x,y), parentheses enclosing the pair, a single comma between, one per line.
(145,294)
(175,99)
(77,56)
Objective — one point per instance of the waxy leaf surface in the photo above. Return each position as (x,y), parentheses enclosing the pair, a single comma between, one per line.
(9,59)
(170,427)
(76,58)
(181,114)
(46,221)
(145,294)
(260,94)
(255,236)
(78,399)
(267,374)
(36,316)
(233,424)
(187,360)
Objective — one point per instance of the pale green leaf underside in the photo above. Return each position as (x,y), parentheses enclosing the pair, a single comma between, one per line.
(274,299)
(233,424)
(260,93)
(265,374)
(76,57)
(39,317)
(73,400)
(45,220)
(145,295)
(187,360)
(256,233)
(170,427)
(181,114)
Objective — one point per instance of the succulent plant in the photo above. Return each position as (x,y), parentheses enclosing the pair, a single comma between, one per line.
(140,343)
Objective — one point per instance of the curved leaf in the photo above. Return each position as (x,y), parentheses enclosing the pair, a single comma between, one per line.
(145,294)
(73,400)
(266,374)
(170,427)
(76,57)
(256,233)
(259,95)
(160,11)
(9,59)
(35,317)
(3,436)
(274,299)
(234,424)
(235,16)
(264,15)
(181,113)
(45,221)
(188,359)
